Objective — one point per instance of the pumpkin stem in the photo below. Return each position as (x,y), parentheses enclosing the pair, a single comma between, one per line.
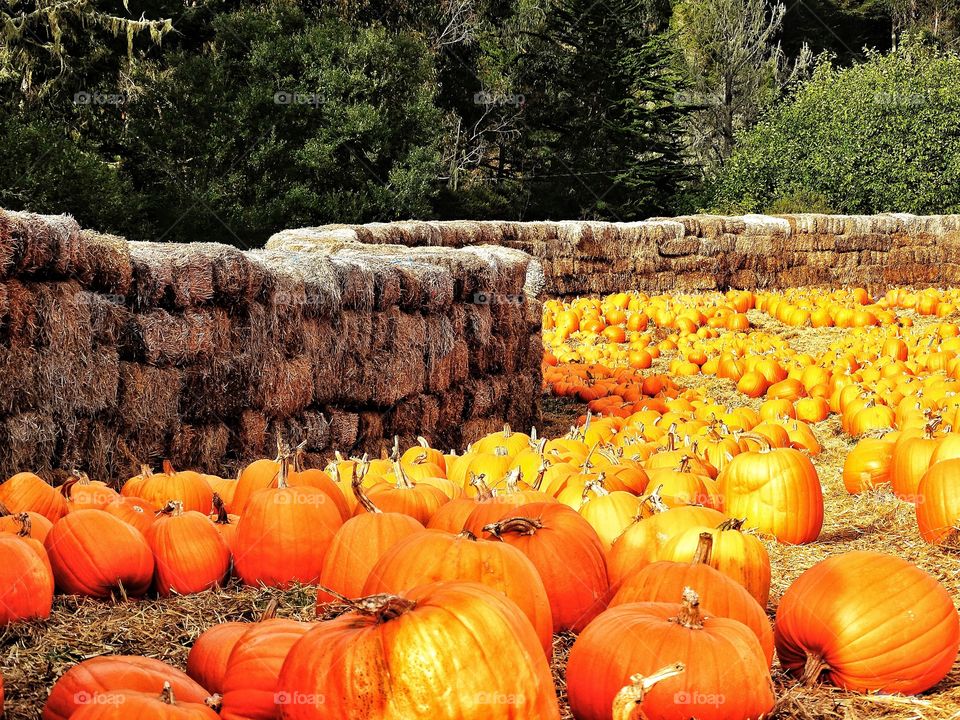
(173,507)
(214,702)
(654,501)
(422,441)
(483,490)
(270,611)
(732,524)
(631,696)
(586,465)
(220,509)
(282,473)
(704,549)
(26,525)
(812,669)
(166,695)
(168,467)
(359,473)
(395,451)
(403,482)
(507,432)
(4,510)
(383,607)
(467,534)
(689,616)
(684,465)
(511,479)
(519,525)
(762,440)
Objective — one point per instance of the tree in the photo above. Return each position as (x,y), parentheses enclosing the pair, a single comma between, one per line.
(880,136)
(733,66)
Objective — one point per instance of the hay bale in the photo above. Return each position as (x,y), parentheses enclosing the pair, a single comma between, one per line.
(149,401)
(103,263)
(19,389)
(218,390)
(344,429)
(64,316)
(253,438)
(179,276)
(29,443)
(69,383)
(283,387)
(22,323)
(41,244)
(198,335)
(108,318)
(200,447)
(371,436)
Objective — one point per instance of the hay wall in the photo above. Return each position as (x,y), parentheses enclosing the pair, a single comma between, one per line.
(699,252)
(113,352)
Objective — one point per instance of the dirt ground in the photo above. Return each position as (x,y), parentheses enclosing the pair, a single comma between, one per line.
(33,655)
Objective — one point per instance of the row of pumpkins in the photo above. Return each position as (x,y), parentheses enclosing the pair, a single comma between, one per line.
(447,562)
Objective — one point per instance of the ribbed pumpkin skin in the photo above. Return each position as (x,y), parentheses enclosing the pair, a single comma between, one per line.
(250,688)
(357,548)
(39,525)
(129,705)
(641,543)
(134,511)
(868,465)
(725,667)
(938,510)
(740,556)
(719,595)
(434,555)
(92,553)
(207,661)
(451,516)
(26,491)
(911,458)
(610,515)
(258,475)
(190,554)
(116,672)
(577,586)
(878,622)
(419,502)
(185,486)
(283,535)
(778,492)
(26,581)
(465,625)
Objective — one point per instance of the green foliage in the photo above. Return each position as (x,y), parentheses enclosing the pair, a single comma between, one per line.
(881,136)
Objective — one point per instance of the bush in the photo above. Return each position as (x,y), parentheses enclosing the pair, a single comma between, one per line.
(881,136)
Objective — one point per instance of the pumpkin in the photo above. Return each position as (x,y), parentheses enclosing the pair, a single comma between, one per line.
(418,500)
(719,594)
(258,475)
(26,579)
(96,554)
(284,533)
(610,513)
(132,705)
(184,486)
(83,493)
(223,522)
(26,492)
(189,553)
(133,510)
(868,622)
(867,466)
(207,661)
(441,625)
(359,544)
(911,458)
(434,555)
(641,543)
(726,672)
(85,682)
(740,556)
(250,689)
(778,491)
(938,506)
(13,523)
(577,587)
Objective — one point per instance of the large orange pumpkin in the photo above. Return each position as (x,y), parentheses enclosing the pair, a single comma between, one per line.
(434,555)
(867,466)
(94,553)
(134,705)
(778,491)
(726,672)
(190,554)
(28,492)
(577,587)
(26,579)
(869,622)
(414,639)
(938,504)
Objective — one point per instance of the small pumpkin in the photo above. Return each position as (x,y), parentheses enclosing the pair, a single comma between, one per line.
(190,555)
(26,579)
(26,492)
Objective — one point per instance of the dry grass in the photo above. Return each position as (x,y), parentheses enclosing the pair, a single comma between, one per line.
(32,656)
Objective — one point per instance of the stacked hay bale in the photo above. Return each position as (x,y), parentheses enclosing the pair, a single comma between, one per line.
(113,353)
(697,252)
